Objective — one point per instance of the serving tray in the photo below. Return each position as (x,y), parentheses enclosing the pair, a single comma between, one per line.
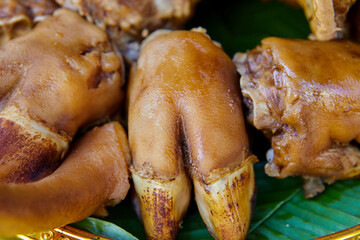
(71,233)
(64,233)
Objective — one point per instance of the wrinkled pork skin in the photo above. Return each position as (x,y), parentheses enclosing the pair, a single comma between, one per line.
(305,97)
(49,87)
(94,174)
(54,80)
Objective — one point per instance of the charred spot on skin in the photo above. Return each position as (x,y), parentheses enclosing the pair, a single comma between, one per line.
(243,177)
(233,185)
(30,153)
(33,172)
(162,208)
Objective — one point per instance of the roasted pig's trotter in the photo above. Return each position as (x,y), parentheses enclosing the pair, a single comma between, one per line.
(52,81)
(94,174)
(18,16)
(129,21)
(185,117)
(305,96)
(326,17)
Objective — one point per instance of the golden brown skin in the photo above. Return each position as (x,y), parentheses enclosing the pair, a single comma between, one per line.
(17,17)
(129,21)
(305,96)
(327,18)
(94,174)
(53,81)
(185,115)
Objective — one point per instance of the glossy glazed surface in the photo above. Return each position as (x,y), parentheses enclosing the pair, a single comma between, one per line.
(304,96)
(70,193)
(185,116)
(53,80)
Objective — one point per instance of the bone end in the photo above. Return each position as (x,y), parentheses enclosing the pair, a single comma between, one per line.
(162,204)
(226,204)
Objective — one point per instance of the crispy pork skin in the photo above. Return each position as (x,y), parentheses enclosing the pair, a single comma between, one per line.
(94,174)
(186,123)
(304,95)
(53,80)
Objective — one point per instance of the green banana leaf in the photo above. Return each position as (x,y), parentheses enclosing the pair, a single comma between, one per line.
(104,228)
(239,25)
(334,210)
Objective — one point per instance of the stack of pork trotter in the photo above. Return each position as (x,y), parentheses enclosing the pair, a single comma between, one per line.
(65,156)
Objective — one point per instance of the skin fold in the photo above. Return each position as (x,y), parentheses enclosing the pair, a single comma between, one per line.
(304,96)
(53,80)
(17,17)
(129,21)
(94,174)
(327,18)
(186,124)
